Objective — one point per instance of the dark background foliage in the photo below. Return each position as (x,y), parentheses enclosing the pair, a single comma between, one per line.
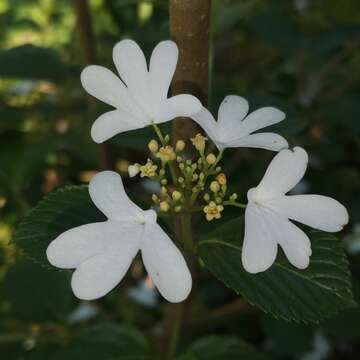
(299,55)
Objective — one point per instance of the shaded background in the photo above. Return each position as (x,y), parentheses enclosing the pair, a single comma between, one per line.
(301,56)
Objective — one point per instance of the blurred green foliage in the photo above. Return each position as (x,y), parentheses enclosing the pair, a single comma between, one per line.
(299,55)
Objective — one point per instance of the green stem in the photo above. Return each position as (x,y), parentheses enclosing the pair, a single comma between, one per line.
(187,239)
(176,330)
(159,134)
(232,203)
(163,143)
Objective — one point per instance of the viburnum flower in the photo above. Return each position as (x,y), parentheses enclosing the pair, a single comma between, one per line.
(140,97)
(269,211)
(234,128)
(102,252)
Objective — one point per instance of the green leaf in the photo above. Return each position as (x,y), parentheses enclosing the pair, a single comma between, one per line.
(310,295)
(36,294)
(222,347)
(106,342)
(33,62)
(59,211)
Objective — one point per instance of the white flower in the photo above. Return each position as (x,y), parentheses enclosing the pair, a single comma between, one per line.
(102,252)
(133,170)
(268,212)
(140,97)
(234,127)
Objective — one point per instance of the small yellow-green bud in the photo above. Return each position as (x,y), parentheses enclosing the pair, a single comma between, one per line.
(188,162)
(162,172)
(154,198)
(207,197)
(164,190)
(218,200)
(181,179)
(153,146)
(188,169)
(218,169)
(214,186)
(164,206)
(163,182)
(176,195)
(199,142)
(180,145)
(167,138)
(193,167)
(201,176)
(221,178)
(233,197)
(211,159)
(194,189)
(179,159)
(195,177)
(181,166)
(177,208)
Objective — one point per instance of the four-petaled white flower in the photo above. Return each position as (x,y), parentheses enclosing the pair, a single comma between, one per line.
(140,97)
(102,252)
(235,128)
(269,211)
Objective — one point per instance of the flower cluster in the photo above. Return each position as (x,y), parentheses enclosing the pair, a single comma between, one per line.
(102,252)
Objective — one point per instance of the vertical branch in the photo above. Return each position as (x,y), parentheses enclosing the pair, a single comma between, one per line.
(87,42)
(190,29)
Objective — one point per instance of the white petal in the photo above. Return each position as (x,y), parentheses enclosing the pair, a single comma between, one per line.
(162,67)
(165,264)
(231,111)
(107,192)
(113,122)
(319,212)
(76,245)
(285,170)
(294,242)
(261,118)
(205,119)
(178,105)
(269,141)
(260,246)
(99,274)
(131,64)
(107,87)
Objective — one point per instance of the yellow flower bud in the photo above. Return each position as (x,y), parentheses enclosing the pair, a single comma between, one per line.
(214,186)
(163,190)
(164,206)
(180,145)
(221,178)
(166,154)
(199,142)
(148,170)
(153,146)
(154,198)
(207,197)
(177,208)
(213,211)
(211,159)
(176,195)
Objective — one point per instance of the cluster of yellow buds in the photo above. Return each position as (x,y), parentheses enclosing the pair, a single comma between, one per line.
(168,201)
(189,177)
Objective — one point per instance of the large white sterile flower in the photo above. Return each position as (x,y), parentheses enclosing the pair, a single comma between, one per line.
(102,252)
(268,212)
(234,128)
(140,97)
